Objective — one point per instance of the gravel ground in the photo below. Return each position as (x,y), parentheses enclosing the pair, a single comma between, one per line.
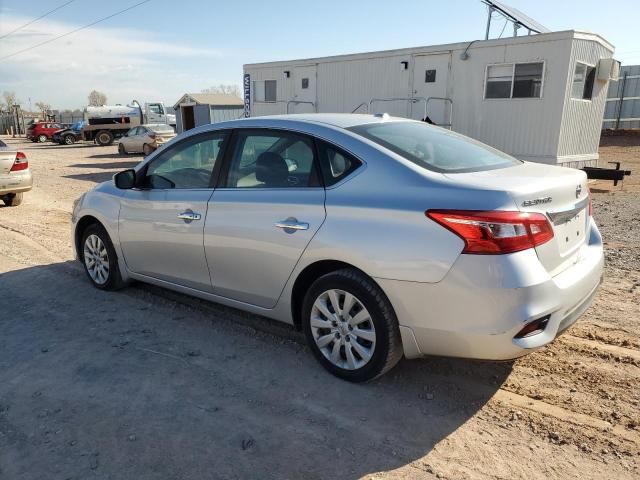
(617,209)
(148,384)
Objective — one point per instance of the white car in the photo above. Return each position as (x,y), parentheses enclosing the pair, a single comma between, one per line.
(15,175)
(376,236)
(145,138)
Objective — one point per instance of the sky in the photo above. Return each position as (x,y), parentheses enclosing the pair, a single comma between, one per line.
(165,48)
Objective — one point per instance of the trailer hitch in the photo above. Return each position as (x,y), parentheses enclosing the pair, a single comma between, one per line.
(615,174)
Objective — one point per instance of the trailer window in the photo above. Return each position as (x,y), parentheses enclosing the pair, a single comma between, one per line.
(270,88)
(305,83)
(499,79)
(583,78)
(527,80)
(429,76)
(519,80)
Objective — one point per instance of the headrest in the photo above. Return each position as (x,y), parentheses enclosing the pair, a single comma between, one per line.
(271,169)
(338,165)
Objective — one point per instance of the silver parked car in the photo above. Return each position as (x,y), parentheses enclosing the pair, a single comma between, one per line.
(15,175)
(376,236)
(145,138)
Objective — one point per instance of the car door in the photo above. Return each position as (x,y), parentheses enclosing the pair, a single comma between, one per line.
(138,139)
(268,206)
(127,139)
(162,220)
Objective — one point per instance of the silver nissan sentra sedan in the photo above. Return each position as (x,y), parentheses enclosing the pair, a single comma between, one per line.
(377,236)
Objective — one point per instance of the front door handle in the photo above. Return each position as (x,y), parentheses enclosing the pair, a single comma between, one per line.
(292,224)
(189,216)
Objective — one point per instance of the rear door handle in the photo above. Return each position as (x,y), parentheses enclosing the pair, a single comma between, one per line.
(189,216)
(292,224)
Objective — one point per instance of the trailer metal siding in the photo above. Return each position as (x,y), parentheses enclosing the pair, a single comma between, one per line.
(550,129)
(582,119)
(224,113)
(493,120)
(629,111)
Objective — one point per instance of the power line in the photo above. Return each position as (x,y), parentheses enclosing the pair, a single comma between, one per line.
(36,19)
(74,31)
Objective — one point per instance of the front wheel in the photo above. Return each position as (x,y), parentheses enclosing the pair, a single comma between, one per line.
(99,258)
(350,326)
(121,149)
(147,149)
(12,199)
(69,140)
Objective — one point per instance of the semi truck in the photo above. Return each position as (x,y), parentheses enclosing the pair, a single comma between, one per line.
(106,123)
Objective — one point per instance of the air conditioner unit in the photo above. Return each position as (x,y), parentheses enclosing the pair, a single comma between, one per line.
(608,69)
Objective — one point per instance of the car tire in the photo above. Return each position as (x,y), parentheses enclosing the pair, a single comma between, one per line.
(12,199)
(42,138)
(99,258)
(104,138)
(69,140)
(121,149)
(146,149)
(370,322)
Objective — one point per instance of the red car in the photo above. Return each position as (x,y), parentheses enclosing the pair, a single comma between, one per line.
(42,131)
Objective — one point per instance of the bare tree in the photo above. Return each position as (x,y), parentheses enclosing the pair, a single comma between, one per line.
(9,99)
(224,88)
(97,99)
(44,107)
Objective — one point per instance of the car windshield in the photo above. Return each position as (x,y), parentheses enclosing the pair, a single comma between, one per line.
(434,148)
(161,128)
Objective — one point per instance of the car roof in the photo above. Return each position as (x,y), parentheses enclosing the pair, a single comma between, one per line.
(340,120)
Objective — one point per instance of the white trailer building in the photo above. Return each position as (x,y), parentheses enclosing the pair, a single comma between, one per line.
(539,98)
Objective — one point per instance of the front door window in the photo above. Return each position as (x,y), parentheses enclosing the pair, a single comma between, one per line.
(189,164)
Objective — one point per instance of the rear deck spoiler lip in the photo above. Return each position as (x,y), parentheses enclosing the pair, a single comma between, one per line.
(566,214)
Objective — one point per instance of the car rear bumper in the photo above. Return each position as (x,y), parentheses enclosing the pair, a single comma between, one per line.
(484,301)
(16,182)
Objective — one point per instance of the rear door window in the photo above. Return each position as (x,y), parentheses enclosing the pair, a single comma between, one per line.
(272,159)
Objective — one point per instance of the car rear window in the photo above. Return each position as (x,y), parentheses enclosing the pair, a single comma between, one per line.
(434,148)
(160,128)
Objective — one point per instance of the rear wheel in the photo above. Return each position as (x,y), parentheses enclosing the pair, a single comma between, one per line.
(42,138)
(12,199)
(99,258)
(147,149)
(350,326)
(121,149)
(69,140)
(104,138)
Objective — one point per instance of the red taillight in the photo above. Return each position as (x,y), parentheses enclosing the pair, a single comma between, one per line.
(495,232)
(20,163)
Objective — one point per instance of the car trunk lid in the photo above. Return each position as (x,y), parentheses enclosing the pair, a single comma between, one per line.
(561,194)
(7,158)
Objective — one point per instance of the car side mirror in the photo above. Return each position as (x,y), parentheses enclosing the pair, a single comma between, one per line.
(125,180)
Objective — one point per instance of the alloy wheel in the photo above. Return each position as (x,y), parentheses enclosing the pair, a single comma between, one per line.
(96,259)
(343,329)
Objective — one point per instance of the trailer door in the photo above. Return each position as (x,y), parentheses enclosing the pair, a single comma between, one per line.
(304,77)
(430,80)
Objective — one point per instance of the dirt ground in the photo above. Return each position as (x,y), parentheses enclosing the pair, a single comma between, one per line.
(149,384)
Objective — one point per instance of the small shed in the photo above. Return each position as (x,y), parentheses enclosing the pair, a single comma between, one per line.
(539,97)
(195,109)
